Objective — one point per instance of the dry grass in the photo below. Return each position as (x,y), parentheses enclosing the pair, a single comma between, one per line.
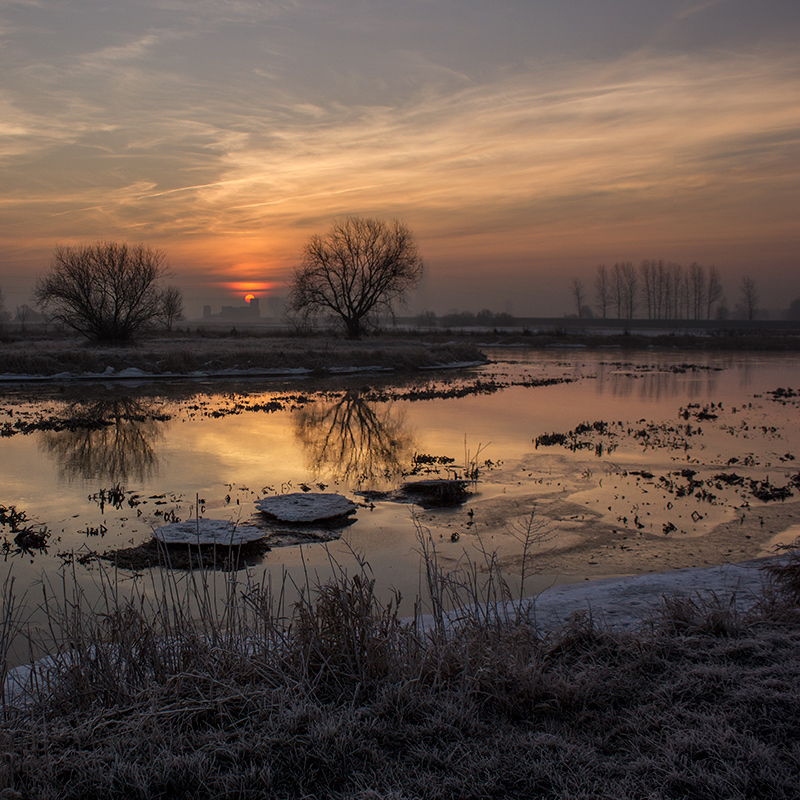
(175,693)
(182,354)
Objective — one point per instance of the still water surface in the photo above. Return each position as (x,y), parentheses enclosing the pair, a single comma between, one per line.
(164,446)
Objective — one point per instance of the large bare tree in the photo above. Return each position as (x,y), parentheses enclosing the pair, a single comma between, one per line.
(358,269)
(107,291)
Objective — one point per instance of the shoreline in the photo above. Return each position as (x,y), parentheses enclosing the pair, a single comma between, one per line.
(622,603)
(67,360)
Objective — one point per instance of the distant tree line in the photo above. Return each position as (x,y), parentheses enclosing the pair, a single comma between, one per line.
(465,319)
(661,290)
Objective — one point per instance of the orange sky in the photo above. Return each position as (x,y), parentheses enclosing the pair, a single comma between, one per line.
(523,143)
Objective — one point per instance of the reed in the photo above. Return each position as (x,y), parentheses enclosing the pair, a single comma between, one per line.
(176,685)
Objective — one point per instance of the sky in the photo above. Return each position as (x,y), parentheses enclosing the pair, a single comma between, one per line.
(524,142)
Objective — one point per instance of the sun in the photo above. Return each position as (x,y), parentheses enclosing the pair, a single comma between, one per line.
(248,297)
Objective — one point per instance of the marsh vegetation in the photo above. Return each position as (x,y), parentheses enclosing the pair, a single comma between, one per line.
(168,692)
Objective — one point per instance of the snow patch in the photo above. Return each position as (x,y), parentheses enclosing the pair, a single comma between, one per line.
(208,531)
(306,507)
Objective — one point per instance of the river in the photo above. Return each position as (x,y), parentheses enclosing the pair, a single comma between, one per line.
(646,461)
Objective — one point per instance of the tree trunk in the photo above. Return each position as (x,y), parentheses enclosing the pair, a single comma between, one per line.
(353,328)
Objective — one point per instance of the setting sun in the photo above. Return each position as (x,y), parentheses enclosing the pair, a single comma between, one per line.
(249,297)
(524,144)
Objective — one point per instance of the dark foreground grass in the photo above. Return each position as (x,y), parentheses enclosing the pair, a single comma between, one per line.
(337,697)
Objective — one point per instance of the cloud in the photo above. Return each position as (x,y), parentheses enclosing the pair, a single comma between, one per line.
(133,50)
(693,8)
(227,132)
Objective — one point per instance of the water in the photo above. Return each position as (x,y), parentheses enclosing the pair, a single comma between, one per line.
(166,449)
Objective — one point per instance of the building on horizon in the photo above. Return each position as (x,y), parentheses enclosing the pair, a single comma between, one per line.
(248,312)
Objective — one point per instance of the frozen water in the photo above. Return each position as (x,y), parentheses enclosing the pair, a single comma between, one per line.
(209,531)
(306,507)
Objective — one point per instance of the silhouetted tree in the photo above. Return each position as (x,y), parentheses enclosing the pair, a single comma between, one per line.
(667,288)
(357,269)
(714,291)
(625,282)
(171,306)
(23,314)
(748,298)
(698,291)
(427,319)
(576,289)
(602,291)
(793,312)
(107,291)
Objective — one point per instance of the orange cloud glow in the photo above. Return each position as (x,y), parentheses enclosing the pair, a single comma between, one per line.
(506,162)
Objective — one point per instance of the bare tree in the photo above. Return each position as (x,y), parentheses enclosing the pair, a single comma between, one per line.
(602,290)
(666,289)
(698,291)
(648,272)
(359,268)
(793,312)
(171,306)
(577,295)
(713,291)
(23,314)
(107,291)
(628,281)
(676,291)
(748,298)
(617,289)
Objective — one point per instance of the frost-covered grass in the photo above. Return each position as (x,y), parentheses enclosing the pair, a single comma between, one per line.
(185,354)
(183,696)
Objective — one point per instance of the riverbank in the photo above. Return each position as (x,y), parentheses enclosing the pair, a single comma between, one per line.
(350,702)
(225,354)
(179,356)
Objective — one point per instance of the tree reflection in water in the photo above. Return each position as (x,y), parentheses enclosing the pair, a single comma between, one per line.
(354,440)
(108,439)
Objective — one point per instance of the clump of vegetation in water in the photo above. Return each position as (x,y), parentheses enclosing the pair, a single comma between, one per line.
(27,538)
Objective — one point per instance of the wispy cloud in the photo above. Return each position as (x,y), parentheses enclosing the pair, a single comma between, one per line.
(695,7)
(224,134)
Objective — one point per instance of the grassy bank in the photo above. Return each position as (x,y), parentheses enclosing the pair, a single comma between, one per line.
(223,352)
(181,696)
(223,355)
(714,341)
